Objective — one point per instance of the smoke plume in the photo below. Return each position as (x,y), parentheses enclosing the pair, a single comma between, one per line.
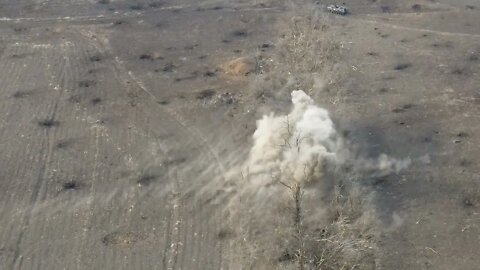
(294,147)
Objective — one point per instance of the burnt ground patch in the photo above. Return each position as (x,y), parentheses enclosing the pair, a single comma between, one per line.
(19,29)
(156,4)
(62,144)
(71,185)
(388,78)
(21,55)
(401,122)
(96,101)
(402,66)
(161,24)
(205,94)
(224,234)
(136,7)
(266,46)
(75,99)
(287,256)
(442,45)
(192,76)
(382,35)
(241,33)
(145,56)
(94,70)
(210,73)
(467,203)
(120,22)
(87,83)
(146,179)
(191,47)
(386,9)
(465,162)
(383,90)
(174,162)
(416,7)
(168,67)
(462,135)
(48,123)
(96,58)
(121,238)
(459,71)
(21,94)
(402,108)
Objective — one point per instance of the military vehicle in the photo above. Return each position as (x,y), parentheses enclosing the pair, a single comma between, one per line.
(336,9)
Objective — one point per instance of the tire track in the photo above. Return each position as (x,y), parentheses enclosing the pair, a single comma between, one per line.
(45,155)
(423,30)
(14,69)
(64,77)
(171,253)
(134,199)
(68,77)
(178,118)
(129,14)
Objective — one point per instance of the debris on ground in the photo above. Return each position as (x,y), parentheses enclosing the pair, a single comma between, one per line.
(242,66)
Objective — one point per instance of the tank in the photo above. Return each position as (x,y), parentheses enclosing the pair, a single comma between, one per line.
(336,9)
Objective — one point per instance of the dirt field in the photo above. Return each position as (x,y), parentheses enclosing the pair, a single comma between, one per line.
(126,134)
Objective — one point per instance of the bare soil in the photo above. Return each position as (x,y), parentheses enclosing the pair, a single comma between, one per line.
(120,120)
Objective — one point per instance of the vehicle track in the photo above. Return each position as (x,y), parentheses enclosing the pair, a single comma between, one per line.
(399,27)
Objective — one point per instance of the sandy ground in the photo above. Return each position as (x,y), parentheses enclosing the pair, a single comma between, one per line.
(119,122)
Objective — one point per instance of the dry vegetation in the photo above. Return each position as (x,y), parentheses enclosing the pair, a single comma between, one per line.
(306,57)
(322,223)
(325,223)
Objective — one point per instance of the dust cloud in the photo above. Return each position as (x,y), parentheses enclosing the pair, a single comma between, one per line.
(295,148)
(302,151)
